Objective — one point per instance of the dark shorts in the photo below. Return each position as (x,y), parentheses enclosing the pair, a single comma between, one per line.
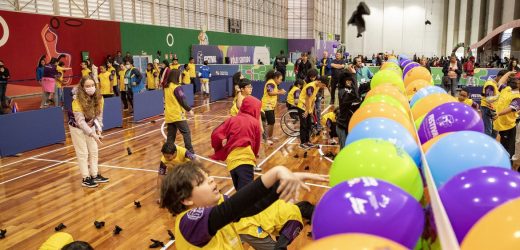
(269,116)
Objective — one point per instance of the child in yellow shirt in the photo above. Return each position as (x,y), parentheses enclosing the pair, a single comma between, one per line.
(186,79)
(172,155)
(328,121)
(151,75)
(105,82)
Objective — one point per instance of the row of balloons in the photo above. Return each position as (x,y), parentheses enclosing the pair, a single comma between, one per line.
(376,179)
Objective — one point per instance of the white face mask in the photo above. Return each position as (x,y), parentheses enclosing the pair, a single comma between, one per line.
(90,90)
(128,66)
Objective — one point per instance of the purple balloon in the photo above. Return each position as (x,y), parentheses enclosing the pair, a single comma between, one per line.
(371,206)
(404,62)
(471,194)
(408,67)
(449,117)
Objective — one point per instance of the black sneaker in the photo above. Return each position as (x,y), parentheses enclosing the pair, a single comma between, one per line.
(89,182)
(100,179)
(310,145)
(304,146)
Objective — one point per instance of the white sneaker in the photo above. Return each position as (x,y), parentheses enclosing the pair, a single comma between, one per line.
(257,169)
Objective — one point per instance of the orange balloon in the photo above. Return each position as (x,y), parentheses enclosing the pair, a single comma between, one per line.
(417,73)
(498,229)
(427,103)
(390,90)
(354,241)
(384,110)
(415,86)
(427,145)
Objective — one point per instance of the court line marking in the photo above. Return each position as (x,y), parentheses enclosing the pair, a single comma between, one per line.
(109,134)
(322,145)
(30,173)
(169,244)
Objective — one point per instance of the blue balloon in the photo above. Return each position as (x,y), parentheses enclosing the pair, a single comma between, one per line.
(426,91)
(405,62)
(403,57)
(464,150)
(388,130)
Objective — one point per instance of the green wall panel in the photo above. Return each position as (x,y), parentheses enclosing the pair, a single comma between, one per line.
(148,38)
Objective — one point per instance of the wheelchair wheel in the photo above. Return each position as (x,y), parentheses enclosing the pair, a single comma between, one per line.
(290,123)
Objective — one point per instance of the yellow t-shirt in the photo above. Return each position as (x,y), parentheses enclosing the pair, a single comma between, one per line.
(270,221)
(186,77)
(240,156)
(290,96)
(112,71)
(179,158)
(122,86)
(330,116)
(57,241)
(304,95)
(85,72)
(234,109)
(60,79)
(76,107)
(150,79)
(226,238)
(193,73)
(105,85)
(468,102)
(173,111)
(175,66)
(269,102)
(508,121)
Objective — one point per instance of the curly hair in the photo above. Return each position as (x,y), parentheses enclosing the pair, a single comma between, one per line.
(178,186)
(90,105)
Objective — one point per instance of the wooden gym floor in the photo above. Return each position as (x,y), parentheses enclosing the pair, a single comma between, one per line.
(41,188)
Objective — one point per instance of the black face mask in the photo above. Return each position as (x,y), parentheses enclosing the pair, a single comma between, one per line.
(1,66)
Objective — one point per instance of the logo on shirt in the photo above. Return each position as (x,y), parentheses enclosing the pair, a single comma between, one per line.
(195,213)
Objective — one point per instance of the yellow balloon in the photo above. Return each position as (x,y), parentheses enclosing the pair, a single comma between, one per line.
(415,86)
(353,241)
(390,90)
(427,103)
(392,66)
(417,73)
(498,229)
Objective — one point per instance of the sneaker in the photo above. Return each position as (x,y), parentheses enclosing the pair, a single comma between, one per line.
(269,142)
(332,142)
(275,138)
(304,146)
(89,182)
(310,145)
(257,169)
(100,179)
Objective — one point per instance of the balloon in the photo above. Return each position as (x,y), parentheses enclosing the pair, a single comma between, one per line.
(430,102)
(462,151)
(417,73)
(388,130)
(390,90)
(379,159)
(385,99)
(471,194)
(354,241)
(426,146)
(404,62)
(387,76)
(371,206)
(419,121)
(381,110)
(498,229)
(449,117)
(393,66)
(408,67)
(415,86)
(426,91)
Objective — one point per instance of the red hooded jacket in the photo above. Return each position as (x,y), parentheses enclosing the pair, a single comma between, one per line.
(241,130)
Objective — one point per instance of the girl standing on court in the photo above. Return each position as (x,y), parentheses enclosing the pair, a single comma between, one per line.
(245,89)
(113,73)
(122,86)
(151,74)
(175,107)
(105,82)
(85,124)
(270,99)
(50,74)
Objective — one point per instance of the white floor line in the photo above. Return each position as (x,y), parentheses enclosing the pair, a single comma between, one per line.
(101,165)
(210,160)
(221,177)
(229,191)
(169,244)
(30,173)
(322,145)
(275,151)
(109,134)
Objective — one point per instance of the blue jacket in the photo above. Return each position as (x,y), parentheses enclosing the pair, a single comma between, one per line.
(134,76)
(204,72)
(328,66)
(363,73)
(39,73)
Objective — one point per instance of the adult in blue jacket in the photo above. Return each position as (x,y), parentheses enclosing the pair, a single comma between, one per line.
(132,81)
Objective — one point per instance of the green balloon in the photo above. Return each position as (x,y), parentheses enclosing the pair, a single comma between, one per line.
(394,67)
(387,77)
(380,159)
(385,99)
(419,121)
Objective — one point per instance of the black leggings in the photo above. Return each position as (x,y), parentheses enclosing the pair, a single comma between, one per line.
(183,127)
(507,139)
(305,126)
(242,175)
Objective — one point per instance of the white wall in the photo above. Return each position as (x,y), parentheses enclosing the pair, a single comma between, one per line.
(398,25)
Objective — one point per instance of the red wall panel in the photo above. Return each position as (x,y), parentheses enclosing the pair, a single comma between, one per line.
(30,36)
